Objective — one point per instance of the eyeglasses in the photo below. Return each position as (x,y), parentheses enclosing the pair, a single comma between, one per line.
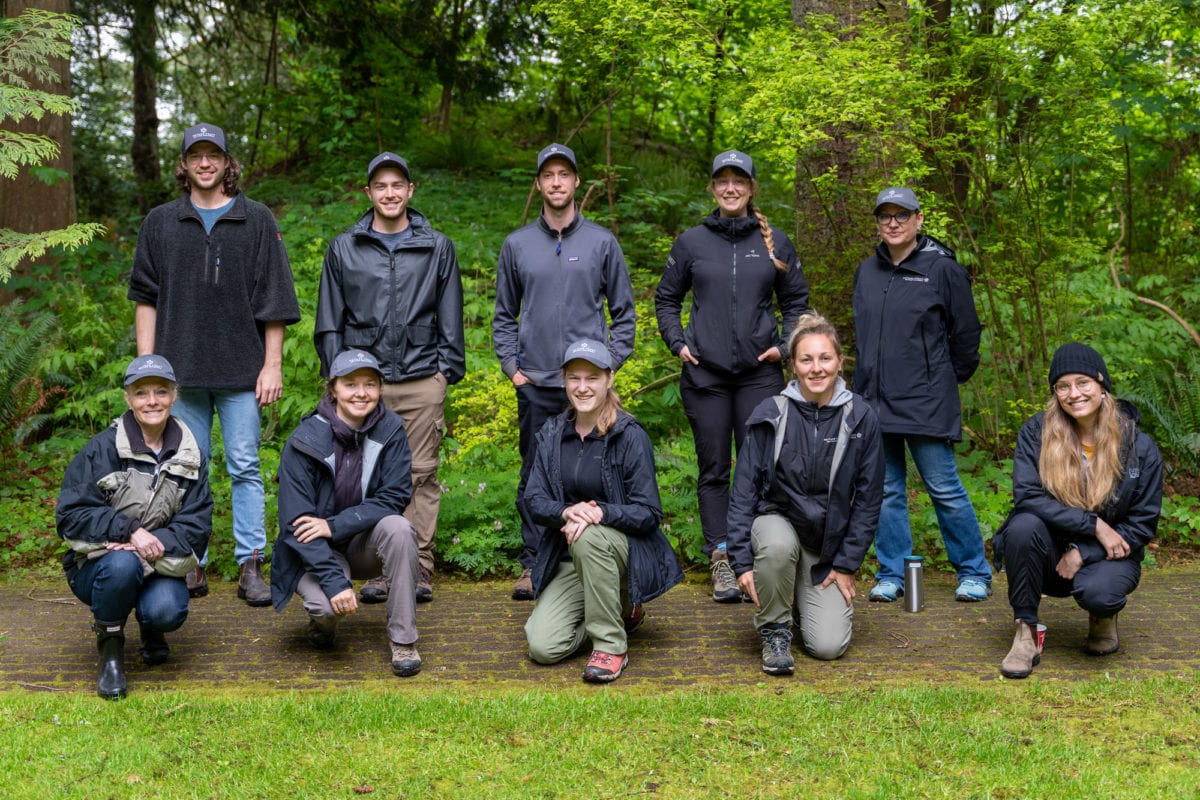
(736,183)
(213,158)
(902,217)
(1083,386)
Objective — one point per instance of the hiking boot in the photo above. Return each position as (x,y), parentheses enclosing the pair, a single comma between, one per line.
(374,591)
(154,649)
(197,582)
(634,619)
(972,590)
(1023,656)
(523,588)
(251,586)
(110,672)
(604,667)
(1102,636)
(725,587)
(777,650)
(886,591)
(424,585)
(406,661)
(322,633)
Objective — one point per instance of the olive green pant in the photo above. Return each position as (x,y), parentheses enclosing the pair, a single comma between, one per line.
(783,580)
(587,599)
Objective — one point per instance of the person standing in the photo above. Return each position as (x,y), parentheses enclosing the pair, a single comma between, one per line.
(213,293)
(918,339)
(737,268)
(553,279)
(390,286)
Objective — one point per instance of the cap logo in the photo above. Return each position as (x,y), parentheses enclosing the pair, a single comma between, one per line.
(731,158)
(358,357)
(147,364)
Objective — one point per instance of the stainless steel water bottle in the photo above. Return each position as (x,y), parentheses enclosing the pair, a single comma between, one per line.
(914,583)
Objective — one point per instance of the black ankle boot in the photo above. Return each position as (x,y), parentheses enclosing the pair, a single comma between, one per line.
(110,642)
(154,648)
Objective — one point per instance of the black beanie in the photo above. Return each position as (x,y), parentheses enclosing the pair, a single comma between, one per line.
(1077,358)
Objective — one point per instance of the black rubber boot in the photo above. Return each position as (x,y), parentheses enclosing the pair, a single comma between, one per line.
(154,645)
(110,643)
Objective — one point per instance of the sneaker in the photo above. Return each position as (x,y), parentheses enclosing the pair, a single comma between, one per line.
(251,586)
(374,591)
(634,620)
(424,585)
(604,667)
(886,592)
(406,661)
(523,588)
(777,650)
(197,582)
(972,590)
(725,587)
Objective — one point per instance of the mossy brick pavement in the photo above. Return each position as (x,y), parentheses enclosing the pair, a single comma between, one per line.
(472,633)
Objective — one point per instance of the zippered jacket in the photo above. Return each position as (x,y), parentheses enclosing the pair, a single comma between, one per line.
(404,306)
(855,492)
(633,506)
(213,293)
(306,488)
(551,290)
(116,485)
(918,338)
(735,286)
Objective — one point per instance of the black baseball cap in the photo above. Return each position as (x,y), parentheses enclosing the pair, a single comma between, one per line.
(557,150)
(204,132)
(735,159)
(388,159)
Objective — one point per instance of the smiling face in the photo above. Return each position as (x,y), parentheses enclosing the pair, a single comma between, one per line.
(816,362)
(1079,397)
(205,164)
(357,395)
(557,183)
(389,192)
(150,400)
(587,387)
(733,190)
(900,237)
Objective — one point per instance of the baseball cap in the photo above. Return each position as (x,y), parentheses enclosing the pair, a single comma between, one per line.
(898,196)
(350,360)
(387,159)
(149,366)
(204,132)
(557,150)
(590,351)
(733,158)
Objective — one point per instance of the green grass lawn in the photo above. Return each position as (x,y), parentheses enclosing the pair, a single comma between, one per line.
(1104,738)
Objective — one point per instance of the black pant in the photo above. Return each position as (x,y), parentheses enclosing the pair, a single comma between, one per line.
(1031,553)
(535,405)
(717,405)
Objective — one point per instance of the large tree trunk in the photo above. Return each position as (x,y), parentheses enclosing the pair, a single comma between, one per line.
(27,204)
(143,38)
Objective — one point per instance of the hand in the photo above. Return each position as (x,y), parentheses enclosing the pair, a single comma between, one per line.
(309,529)
(578,517)
(147,545)
(269,387)
(1069,564)
(519,379)
(344,602)
(1115,545)
(746,582)
(685,354)
(845,583)
(771,354)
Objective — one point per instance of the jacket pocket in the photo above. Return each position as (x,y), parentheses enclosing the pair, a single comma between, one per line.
(362,337)
(422,335)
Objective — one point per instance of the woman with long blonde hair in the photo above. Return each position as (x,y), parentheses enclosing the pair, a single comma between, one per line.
(1087,491)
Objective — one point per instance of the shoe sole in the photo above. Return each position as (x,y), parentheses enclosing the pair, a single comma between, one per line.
(879,598)
(522,595)
(734,596)
(372,598)
(405,671)
(424,595)
(199,591)
(591,678)
(254,603)
(1092,652)
(779,670)
(154,658)
(1021,675)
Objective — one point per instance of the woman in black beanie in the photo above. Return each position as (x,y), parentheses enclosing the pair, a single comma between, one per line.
(1087,490)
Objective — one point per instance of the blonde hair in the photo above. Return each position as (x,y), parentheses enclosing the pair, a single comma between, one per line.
(1073,480)
(606,417)
(768,237)
(810,323)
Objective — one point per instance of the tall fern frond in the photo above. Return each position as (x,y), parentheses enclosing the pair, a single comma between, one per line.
(1168,395)
(24,339)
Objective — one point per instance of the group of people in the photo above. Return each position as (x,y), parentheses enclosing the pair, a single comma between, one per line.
(820,470)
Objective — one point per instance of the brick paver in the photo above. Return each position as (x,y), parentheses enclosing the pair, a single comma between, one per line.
(473,633)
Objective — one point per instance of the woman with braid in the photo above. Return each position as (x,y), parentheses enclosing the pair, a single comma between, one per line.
(738,269)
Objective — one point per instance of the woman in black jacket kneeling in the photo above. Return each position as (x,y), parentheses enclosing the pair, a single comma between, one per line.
(601,554)
(1087,491)
(805,502)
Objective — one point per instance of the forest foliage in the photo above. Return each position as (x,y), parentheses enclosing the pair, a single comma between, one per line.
(1055,146)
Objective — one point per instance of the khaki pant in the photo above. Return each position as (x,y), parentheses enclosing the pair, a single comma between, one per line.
(422,404)
(783,580)
(587,599)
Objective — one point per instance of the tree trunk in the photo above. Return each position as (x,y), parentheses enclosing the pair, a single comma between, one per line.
(143,36)
(28,204)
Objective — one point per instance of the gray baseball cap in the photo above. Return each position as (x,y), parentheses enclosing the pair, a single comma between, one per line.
(350,360)
(897,196)
(557,150)
(387,159)
(204,132)
(149,366)
(735,159)
(590,351)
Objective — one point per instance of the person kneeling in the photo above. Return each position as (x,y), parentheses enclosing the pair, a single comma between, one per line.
(805,501)
(345,477)
(1087,492)
(602,553)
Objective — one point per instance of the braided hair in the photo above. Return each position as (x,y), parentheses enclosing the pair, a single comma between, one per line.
(768,237)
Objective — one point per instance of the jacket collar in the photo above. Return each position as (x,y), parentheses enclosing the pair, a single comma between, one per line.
(186,210)
(576,221)
(731,228)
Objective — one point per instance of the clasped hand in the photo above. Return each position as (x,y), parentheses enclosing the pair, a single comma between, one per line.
(577,517)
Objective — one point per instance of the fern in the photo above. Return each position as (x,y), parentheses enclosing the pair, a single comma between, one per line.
(24,396)
(1169,399)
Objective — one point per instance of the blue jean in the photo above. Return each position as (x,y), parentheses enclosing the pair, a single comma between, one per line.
(955,514)
(113,585)
(241,429)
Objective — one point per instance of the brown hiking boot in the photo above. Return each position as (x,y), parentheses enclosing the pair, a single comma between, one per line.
(374,591)
(424,585)
(1102,636)
(523,588)
(1023,656)
(724,583)
(251,586)
(406,661)
(197,582)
